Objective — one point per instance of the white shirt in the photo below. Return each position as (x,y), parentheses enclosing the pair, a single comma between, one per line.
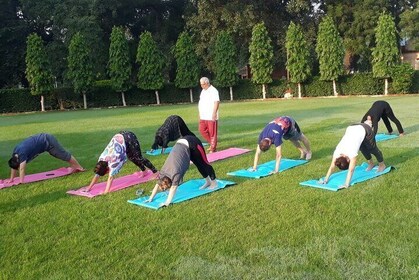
(351,142)
(206,103)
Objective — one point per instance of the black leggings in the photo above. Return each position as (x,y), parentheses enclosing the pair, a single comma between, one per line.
(381,109)
(134,152)
(369,146)
(199,157)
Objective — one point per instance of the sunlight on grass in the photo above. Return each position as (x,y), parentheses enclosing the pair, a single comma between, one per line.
(270,228)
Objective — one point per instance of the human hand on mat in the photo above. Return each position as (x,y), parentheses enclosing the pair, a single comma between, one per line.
(322,181)
(252,169)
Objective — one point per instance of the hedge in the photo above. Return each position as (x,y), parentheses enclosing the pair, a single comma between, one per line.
(102,95)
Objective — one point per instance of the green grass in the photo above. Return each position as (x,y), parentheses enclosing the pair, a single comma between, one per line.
(270,228)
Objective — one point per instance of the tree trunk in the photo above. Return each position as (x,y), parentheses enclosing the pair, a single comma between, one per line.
(335,92)
(299,90)
(157,97)
(231,93)
(385,86)
(191,95)
(123,99)
(42,104)
(263,91)
(84,100)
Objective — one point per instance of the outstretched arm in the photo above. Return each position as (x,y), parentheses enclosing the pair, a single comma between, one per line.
(22,168)
(153,193)
(172,192)
(93,182)
(330,171)
(256,160)
(278,158)
(108,184)
(12,175)
(351,168)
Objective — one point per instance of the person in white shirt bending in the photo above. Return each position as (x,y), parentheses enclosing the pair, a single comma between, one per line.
(357,137)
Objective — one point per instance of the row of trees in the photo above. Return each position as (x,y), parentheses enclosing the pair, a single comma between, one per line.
(56,21)
(330,53)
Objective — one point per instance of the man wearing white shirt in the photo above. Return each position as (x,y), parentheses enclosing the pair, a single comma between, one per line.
(209,101)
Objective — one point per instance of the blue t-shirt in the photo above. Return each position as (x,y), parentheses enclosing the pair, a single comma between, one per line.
(274,132)
(31,147)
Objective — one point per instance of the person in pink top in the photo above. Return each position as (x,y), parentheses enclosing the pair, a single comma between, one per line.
(209,102)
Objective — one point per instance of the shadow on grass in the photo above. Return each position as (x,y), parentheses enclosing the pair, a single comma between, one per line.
(400,157)
(43,198)
(410,129)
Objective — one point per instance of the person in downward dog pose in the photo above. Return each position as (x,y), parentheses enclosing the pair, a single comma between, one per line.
(172,129)
(188,148)
(122,147)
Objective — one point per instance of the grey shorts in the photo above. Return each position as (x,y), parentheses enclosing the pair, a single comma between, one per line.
(294,132)
(56,150)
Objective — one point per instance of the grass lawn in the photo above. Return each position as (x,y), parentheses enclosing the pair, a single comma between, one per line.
(270,228)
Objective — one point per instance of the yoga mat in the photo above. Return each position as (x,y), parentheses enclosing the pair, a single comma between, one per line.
(338,179)
(266,168)
(230,152)
(383,137)
(117,184)
(166,151)
(185,191)
(63,171)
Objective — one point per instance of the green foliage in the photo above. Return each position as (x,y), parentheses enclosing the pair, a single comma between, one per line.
(385,55)
(38,70)
(402,76)
(80,67)
(329,50)
(188,68)
(225,61)
(151,62)
(298,53)
(18,100)
(261,55)
(119,60)
(360,84)
(409,23)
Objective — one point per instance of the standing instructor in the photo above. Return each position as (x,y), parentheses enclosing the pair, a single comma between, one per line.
(209,101)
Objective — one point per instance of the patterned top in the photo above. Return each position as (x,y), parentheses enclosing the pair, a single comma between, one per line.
(115,154)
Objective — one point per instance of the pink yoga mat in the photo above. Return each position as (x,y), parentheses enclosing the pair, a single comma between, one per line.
(63,171)
(118,184)
(230,152)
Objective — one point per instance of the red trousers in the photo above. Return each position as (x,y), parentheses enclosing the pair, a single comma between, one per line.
(209,130)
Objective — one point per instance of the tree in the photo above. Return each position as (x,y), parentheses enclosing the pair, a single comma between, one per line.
(188,68)
(385,55)
(80,66)
(13,35)
(151,62)
(225,61)
(261,56)
(409,25)
(119,62)
(330,52)
(38,70)
(298,53)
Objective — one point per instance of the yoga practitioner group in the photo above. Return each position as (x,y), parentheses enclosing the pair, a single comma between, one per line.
(125,146)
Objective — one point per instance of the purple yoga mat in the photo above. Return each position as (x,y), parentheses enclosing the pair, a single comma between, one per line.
(117,184)
(231,152)
(63,171)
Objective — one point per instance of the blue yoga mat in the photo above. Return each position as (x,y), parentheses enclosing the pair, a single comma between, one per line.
(166,151)
(266,168)
(338,179)
(383,137)
(185,191)
(158,151)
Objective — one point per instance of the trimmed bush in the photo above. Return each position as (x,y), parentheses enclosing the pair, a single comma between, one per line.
(102,94)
